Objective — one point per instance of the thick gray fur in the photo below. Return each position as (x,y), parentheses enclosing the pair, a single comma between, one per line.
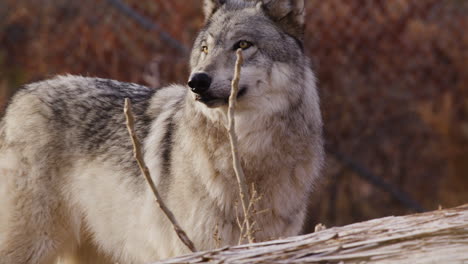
(70,188)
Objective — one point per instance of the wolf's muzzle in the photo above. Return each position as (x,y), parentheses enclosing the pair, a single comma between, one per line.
(199,83)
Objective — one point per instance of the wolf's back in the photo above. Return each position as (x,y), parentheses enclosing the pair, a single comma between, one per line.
(67,118)
(87,113)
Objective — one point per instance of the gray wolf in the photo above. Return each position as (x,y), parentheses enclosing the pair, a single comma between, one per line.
(72,190)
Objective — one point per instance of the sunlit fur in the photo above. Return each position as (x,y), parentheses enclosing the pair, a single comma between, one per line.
(70,187)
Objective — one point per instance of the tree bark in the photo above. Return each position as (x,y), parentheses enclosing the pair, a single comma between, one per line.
(433,237)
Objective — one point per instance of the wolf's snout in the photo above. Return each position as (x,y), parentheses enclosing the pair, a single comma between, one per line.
(199,82)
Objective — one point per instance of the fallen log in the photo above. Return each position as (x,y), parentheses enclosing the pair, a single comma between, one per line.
(433,237)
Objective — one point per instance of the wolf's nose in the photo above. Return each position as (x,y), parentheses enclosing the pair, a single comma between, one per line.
(199,82)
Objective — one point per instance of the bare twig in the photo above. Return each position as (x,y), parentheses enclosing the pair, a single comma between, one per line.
(319,227)
(252,212)
(144,169)
(217,236)
(240,223)
(243,188)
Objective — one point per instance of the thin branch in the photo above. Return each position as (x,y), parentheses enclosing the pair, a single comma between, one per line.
(367,175)
(217,236)
(251,212)
(144,169)
(319,227)
(148,25)
(240,224)
(243,188)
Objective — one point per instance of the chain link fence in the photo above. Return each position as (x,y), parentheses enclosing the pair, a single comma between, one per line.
(393,78)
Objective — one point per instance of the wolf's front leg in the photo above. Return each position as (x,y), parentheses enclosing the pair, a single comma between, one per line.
(32,229)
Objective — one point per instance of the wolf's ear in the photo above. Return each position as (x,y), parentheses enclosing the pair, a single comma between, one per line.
(289,14)
(210,7)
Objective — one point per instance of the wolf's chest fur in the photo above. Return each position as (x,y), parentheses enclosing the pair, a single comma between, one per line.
(71,186)
(197,178)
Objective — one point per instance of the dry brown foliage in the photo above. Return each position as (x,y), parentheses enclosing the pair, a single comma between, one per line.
(393,78)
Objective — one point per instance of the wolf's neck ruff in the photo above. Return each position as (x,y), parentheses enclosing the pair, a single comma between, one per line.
(73,185)
(268,142)
(278,121)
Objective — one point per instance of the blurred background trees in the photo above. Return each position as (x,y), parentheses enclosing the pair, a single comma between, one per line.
(393,78)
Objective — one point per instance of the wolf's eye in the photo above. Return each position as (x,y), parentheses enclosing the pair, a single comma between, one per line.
(204,49)
(243,44)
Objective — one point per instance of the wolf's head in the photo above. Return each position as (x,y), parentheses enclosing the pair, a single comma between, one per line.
(270,33)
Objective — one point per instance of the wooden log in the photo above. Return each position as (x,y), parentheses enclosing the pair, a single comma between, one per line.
(433,237)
